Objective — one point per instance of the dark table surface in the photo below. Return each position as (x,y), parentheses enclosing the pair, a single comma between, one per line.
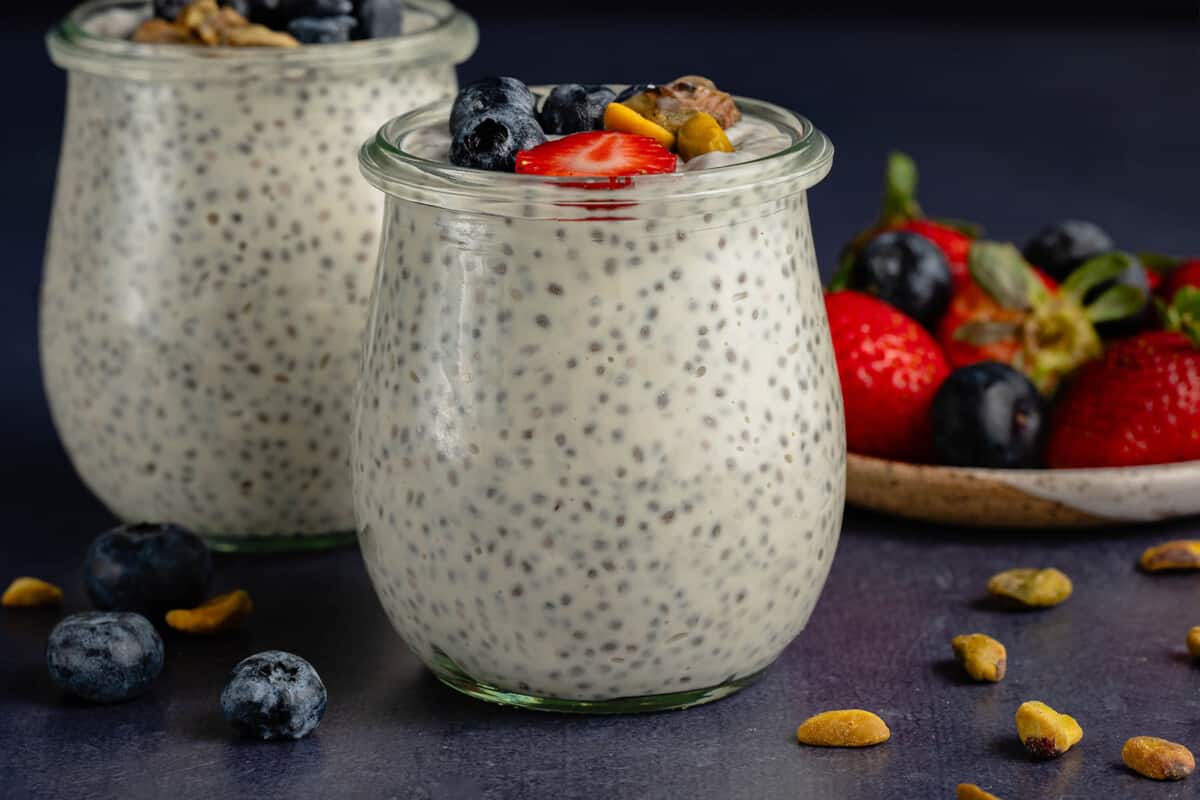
(1012,127)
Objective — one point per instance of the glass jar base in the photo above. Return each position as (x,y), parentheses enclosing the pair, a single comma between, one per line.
(279,544)
(450,674)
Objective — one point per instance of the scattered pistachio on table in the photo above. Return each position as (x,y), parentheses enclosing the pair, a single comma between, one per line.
(1193,641)
(1179,554)
(969,791)
(29,592)
(843,728)
(1157,758)
(221,613)
(1044,732)
(984,658)
(1034,588)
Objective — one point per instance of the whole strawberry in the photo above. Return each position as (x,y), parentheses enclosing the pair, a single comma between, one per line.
(1140,404)
(971,303)
(1183,273)
(901,212)
(890,369)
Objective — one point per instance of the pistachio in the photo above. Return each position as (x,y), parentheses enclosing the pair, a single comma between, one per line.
(843,728)
(1179,554)
(219,614)
(1193,641)
(204,22)
(159,31)
(258,36)
(1034,588)
(29,592)
(969,791)
(984,658)
(1045,732)
(701,134)
(1157,758)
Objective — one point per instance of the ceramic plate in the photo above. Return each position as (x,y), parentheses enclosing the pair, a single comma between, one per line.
(1027,498)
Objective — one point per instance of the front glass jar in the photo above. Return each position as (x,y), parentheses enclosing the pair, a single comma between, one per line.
(209,260)
(599,454)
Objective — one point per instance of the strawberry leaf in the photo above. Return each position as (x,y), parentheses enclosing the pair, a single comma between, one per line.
(1158,263)
(1183,314)
(971,229)
(841,278)
(984,332)
(1003,274)
(1096,271)
(900,190)
(1116,303)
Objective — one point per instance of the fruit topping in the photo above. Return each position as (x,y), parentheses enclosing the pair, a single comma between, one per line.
(147,568)
(572,108)
(631,90)
(988,415)
(906,270)
(496,94)
(701,134)
(597,154)
(620,117)
(274,695)
(378,18)
(890,369)
(322,30)
(492,140)
(1062,248)
(103,656)
(673,104)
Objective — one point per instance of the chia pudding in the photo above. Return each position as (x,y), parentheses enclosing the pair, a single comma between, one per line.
(599,454)
(208,267)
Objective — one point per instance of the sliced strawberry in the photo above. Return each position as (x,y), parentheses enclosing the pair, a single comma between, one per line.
(603,154)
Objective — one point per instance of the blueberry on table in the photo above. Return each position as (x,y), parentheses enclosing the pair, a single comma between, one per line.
(147,568)
(322,30)
(274,695)
(1060,249)
(378,18)
(492,140)
(486,95)
(104,656)
(572,108)
(907,271)
(988,415)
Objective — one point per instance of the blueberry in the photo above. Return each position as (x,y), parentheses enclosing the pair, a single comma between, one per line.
(1058,250)
(491,95)
(988,415)
(104,656)
(148,568)
(906,270)
(492,140)
(274,695)
(572,108)
(169,9)
(322,30)
(278,14)
(635,89)
(378,18)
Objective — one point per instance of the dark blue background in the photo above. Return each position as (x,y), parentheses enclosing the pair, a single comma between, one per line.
(1014,124)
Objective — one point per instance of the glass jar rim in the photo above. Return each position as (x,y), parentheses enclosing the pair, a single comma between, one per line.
(398,173)
(452,38)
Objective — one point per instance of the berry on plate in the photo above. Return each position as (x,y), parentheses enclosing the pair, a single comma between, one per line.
(493,139)
(486,95)
(147,568)
(901,211)
(1060,249)
(572,108)
(988,415)
(322,30)
(103,656)
(1023,320)
(597,154)
(906,270)
(890,368)
(1182,272)
(274,695)
(378,18)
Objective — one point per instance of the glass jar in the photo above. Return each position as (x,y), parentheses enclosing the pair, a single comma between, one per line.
(599,453)
(209,259)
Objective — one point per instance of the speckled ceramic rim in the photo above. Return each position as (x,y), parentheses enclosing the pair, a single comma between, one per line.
(452,38)
(401,174)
